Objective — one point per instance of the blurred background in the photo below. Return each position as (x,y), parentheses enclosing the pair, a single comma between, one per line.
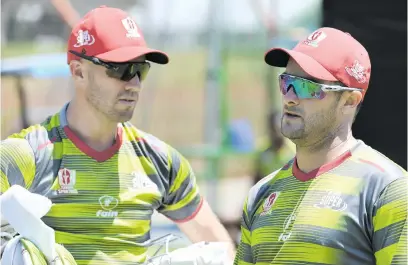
(216,101)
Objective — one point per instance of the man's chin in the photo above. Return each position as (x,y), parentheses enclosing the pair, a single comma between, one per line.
(292,133)
(123,120)
(124,117)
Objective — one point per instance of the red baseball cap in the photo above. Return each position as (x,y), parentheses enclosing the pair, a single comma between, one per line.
(110,34)
(328,54)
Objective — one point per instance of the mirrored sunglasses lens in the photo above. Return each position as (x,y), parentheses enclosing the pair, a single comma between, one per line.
(144,70)
(303,88)
(140,69)
(284,84)
(306,89)
(114,73)
(129,73)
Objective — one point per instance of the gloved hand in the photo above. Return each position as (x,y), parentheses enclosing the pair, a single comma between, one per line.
(23,210)
(203,253)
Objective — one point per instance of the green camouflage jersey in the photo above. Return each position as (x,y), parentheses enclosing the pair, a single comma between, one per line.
(352,211)
(102,201)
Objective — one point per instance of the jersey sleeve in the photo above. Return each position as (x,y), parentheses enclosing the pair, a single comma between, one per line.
(390,224)
(17,163)
(182,201)
(244,252)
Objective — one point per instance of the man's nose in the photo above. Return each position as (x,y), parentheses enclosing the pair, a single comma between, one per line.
(134,83)
(290,98)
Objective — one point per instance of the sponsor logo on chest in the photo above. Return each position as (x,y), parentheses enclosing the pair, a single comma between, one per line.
(140,181)
(332,200)
(108,205)
(287,227)
(66,181)
(268,203)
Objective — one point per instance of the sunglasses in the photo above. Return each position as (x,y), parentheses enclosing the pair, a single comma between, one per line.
(305,88)
(122,71)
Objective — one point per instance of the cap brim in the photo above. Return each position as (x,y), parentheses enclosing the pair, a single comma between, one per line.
(279,57)
(126,54)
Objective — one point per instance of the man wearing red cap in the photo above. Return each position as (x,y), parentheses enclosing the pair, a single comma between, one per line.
(105,177)
(338,201)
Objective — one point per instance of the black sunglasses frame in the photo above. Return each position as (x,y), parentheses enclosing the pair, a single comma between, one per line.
(120,71)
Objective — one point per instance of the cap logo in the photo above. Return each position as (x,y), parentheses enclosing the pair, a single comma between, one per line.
(131,28)
(314,38)
(84,38)
(357,71)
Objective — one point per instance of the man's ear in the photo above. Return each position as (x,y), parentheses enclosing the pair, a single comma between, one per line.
(77,70)
(351,101)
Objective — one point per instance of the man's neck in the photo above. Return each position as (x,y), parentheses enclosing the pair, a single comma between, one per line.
(314,156)
(90,126)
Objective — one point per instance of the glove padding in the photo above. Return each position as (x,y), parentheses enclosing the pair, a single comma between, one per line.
(203,253)
(23,210)
(20,251)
